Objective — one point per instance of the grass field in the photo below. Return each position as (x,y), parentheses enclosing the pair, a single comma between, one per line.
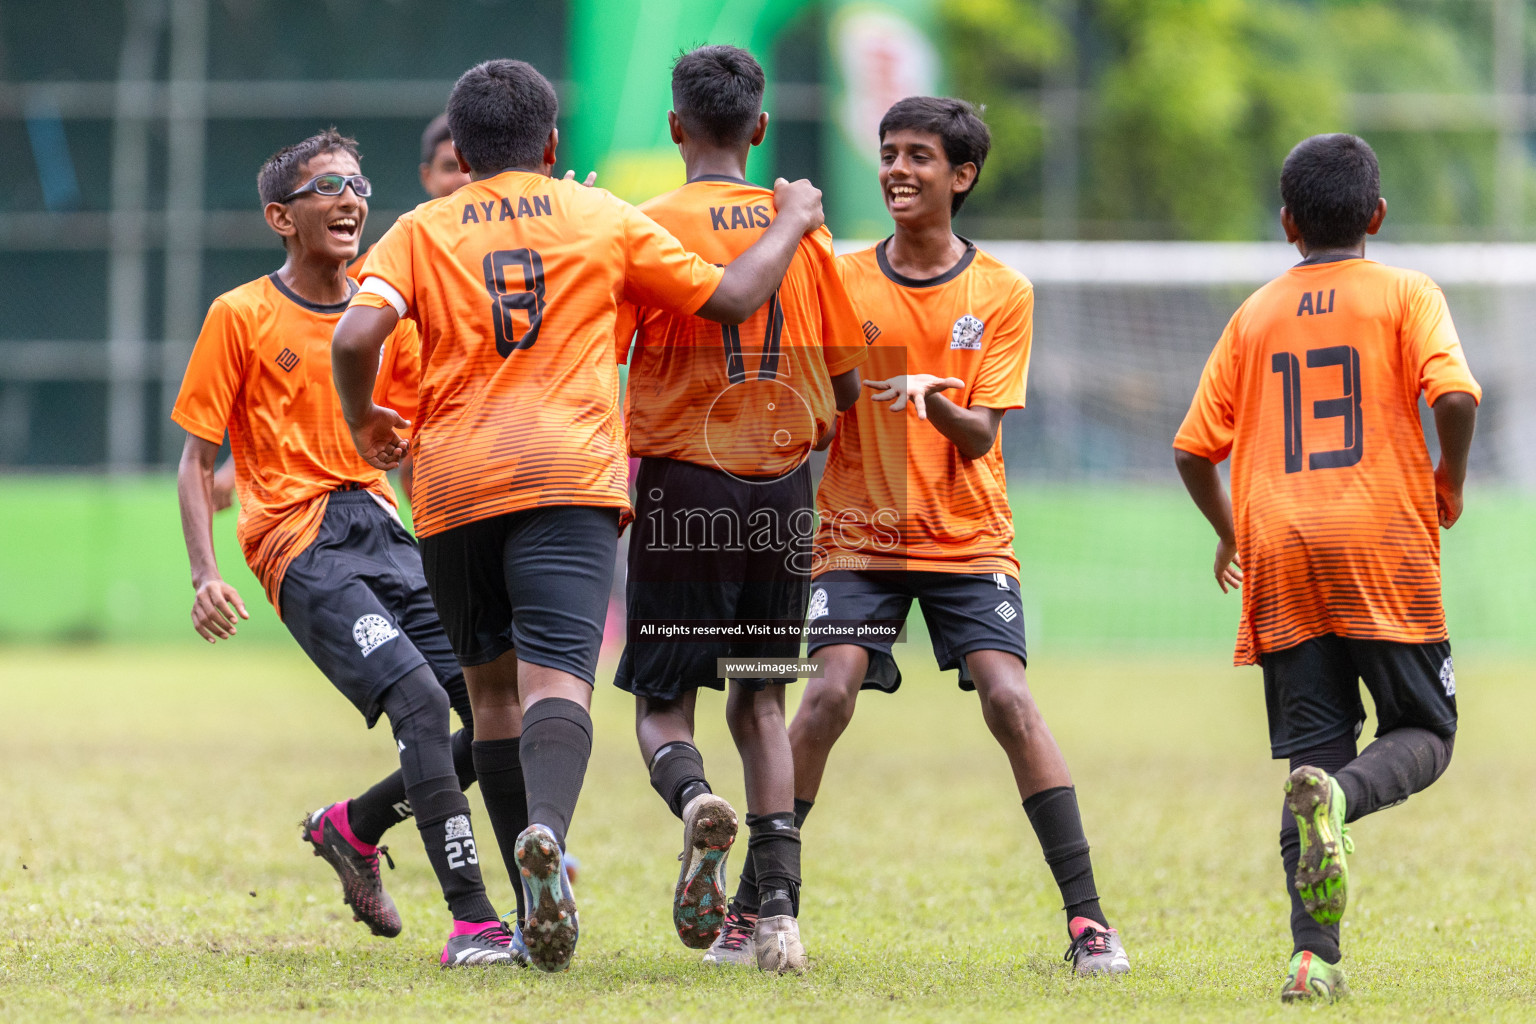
(150,866)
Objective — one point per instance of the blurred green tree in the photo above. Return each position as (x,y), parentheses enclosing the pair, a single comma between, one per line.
(1185,108)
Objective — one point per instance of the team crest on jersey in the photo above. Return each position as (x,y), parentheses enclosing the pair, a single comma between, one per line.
(457,827)
(966,333)
(818,607)
(1448,677)
(371,632)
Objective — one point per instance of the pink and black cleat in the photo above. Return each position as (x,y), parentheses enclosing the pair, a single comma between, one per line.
(357,865)
(1095,949)
(480,944)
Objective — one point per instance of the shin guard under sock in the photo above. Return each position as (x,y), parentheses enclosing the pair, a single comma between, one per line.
(557,742)
(746,898)
(774,849)
(677,775)
(384,804)
(442,817)
(1059,826)
(499,767)
(1390,770)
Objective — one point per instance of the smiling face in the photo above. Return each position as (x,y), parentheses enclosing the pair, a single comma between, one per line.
(916,178)
(326,226)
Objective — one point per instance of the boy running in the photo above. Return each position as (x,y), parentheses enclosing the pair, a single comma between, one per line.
(913,502)
(1313,390)
(723,420)
(318,528)
(521,484)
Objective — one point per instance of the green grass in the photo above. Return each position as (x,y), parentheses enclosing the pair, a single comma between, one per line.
(90,559)
(150,865)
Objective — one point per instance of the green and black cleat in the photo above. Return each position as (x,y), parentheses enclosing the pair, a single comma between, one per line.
(1316,801)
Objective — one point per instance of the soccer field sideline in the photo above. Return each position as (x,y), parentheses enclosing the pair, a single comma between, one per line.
(1101,564)
(152,791)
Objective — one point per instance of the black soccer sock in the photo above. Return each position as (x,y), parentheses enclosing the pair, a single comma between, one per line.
(773,846)
(1306,934)
(443,819)
(677,774)
(1059,826)
(384,805)
(418,715)
(498,763)
(557,742)
(746,898)
(1392,769)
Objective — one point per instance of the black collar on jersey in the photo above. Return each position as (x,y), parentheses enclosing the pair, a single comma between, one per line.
(722,177)
(1333,257)
(314,307)
(926,282)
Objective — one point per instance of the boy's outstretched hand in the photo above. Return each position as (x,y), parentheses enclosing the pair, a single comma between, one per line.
(912,387)
(376,438)
(799,200)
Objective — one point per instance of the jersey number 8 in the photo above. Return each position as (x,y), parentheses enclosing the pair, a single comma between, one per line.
(527,299)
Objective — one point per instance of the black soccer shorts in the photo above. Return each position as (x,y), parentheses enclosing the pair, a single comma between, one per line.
(1312,690)
(357,603)
(965,612)
(534,581)
(712,548)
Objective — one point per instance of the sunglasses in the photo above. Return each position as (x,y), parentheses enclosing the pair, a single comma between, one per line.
(332,185)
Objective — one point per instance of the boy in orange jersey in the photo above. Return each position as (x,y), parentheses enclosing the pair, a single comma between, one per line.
(521,475)
(318,528)
(913,501)
(724,420)
(1313,390)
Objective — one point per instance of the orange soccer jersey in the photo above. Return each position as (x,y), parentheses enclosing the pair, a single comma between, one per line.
(261,369)
(897,494)
(515,282)
(752,399)
(1314,389)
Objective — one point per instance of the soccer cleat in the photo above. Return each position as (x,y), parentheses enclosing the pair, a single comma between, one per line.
(357,864)
(1316,801)
(551,929)
(1311,977)
(776,941)
(479,944)
(1095,949)
(734,943)
(515,930)
(698,902)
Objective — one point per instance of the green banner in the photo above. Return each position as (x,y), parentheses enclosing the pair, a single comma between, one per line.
(621,68)
(879,53)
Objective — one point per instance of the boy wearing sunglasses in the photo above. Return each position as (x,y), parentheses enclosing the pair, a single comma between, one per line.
(318,528)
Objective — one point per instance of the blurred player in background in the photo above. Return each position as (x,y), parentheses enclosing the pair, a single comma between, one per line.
(318,528)
(520,488)
(1313,390)
(723,420)
(913,501)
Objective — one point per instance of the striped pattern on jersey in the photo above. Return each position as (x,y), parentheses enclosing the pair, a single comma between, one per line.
(261,369)
(897,494)
(751,399)
(1314,391)
(514,282)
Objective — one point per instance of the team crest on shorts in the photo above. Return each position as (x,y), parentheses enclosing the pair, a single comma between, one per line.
(966,333)
(818,606)
(457,827)
(1448,677)
(371,632)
